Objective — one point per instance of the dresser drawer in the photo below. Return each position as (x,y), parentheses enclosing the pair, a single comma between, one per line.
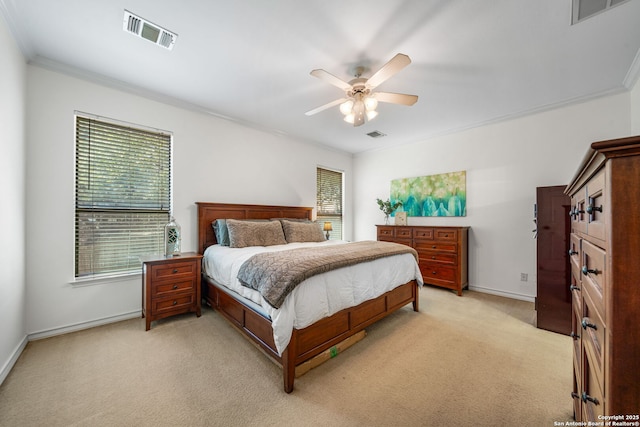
(575,246)
(173,269)
(593,336)
(423,233)
(576,332)
(179,303)
(434,271)
(579,213)
(446,235)
(385,233)
(434,245)
(593,274)
(595,208)
(441,257)
(172,287)
(591,395)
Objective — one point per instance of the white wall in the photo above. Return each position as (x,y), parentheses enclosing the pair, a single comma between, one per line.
(12,213)
(215,160)
(505,162)
(635,108)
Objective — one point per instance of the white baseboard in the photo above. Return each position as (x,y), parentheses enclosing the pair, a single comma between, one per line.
(83,325)
(505,294)
(4,372)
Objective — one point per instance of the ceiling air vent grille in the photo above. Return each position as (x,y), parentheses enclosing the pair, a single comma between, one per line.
(376,134)
(144,29)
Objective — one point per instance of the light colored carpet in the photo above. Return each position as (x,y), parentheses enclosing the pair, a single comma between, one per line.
(475,360)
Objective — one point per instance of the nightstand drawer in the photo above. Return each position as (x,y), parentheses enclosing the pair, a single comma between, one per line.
(172,287)
(173,269)
(180,302)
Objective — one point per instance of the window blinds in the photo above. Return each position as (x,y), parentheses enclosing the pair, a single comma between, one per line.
(329,199)
(123,195)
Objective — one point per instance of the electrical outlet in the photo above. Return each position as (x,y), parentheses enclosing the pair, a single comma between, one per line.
(524,277)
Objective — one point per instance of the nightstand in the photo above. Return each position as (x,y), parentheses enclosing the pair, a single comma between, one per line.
(170,285)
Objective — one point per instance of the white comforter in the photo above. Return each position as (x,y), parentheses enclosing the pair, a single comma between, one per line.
(317,297)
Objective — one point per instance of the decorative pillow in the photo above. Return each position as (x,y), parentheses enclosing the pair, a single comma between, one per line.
(295,231)
(221,231)
(254,233)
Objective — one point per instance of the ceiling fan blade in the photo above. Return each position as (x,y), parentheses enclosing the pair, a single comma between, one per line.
(325,106)
(396,98)
(396,64)
(331,79)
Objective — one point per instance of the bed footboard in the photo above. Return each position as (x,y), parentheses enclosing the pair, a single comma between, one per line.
(314,339)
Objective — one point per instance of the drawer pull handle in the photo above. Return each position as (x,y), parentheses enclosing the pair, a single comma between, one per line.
(175,286)
(586,397)
(574,335)
(587,324)
(175,270)
(572,252)
(592,208)
(575,395)
(586,270)
(574,288)
(175,302)
(434,246)
(433,257)
(433,272)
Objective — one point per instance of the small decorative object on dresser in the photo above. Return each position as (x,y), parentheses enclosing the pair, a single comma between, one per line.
(401,218)
(604,246)
(387,208)
(442,252)
(172,238)
(170,285)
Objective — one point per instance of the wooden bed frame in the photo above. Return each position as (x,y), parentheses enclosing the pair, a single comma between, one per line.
(312,340)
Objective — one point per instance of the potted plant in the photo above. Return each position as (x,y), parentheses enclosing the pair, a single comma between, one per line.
(388,208)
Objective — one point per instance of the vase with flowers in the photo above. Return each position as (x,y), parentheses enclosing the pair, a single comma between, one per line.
(388,208)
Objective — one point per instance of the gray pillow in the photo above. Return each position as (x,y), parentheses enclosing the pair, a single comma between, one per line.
(254,233)
(295,231)
(221,231)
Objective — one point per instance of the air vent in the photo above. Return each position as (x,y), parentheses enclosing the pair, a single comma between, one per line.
(142,28)
(376,134)
(583,9)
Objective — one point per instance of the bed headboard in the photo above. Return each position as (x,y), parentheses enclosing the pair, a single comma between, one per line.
(209,212)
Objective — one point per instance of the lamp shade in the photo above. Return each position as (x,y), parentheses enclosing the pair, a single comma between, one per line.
(327,226)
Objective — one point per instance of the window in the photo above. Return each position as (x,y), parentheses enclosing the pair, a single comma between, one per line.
(329,200)
(123,196)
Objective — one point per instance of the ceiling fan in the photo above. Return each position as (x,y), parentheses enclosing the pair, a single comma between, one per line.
(360,101)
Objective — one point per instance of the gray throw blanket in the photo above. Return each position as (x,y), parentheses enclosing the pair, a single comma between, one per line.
(276,274)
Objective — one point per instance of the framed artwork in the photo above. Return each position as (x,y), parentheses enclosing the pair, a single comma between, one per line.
(401,218)
(432,195)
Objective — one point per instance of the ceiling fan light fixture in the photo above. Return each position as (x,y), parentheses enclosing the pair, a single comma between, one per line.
(346,107)
(370,103)
(371,114)
(350,118)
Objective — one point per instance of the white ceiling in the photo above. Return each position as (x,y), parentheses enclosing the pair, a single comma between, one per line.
(474,62)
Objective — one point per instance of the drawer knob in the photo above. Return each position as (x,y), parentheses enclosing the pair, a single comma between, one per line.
(433,257)
(574,335)
(586,270)
(433,272)
(175,270)
(434,246)
(574,288)
(592,208)
(175,302)
(586,397)
(587,324)
(572,252)
(175,286)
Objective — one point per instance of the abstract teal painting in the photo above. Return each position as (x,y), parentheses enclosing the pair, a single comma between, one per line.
(433,195)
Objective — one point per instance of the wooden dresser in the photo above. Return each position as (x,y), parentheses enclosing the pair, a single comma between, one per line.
(170,286)
(604,248)
(442,251)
